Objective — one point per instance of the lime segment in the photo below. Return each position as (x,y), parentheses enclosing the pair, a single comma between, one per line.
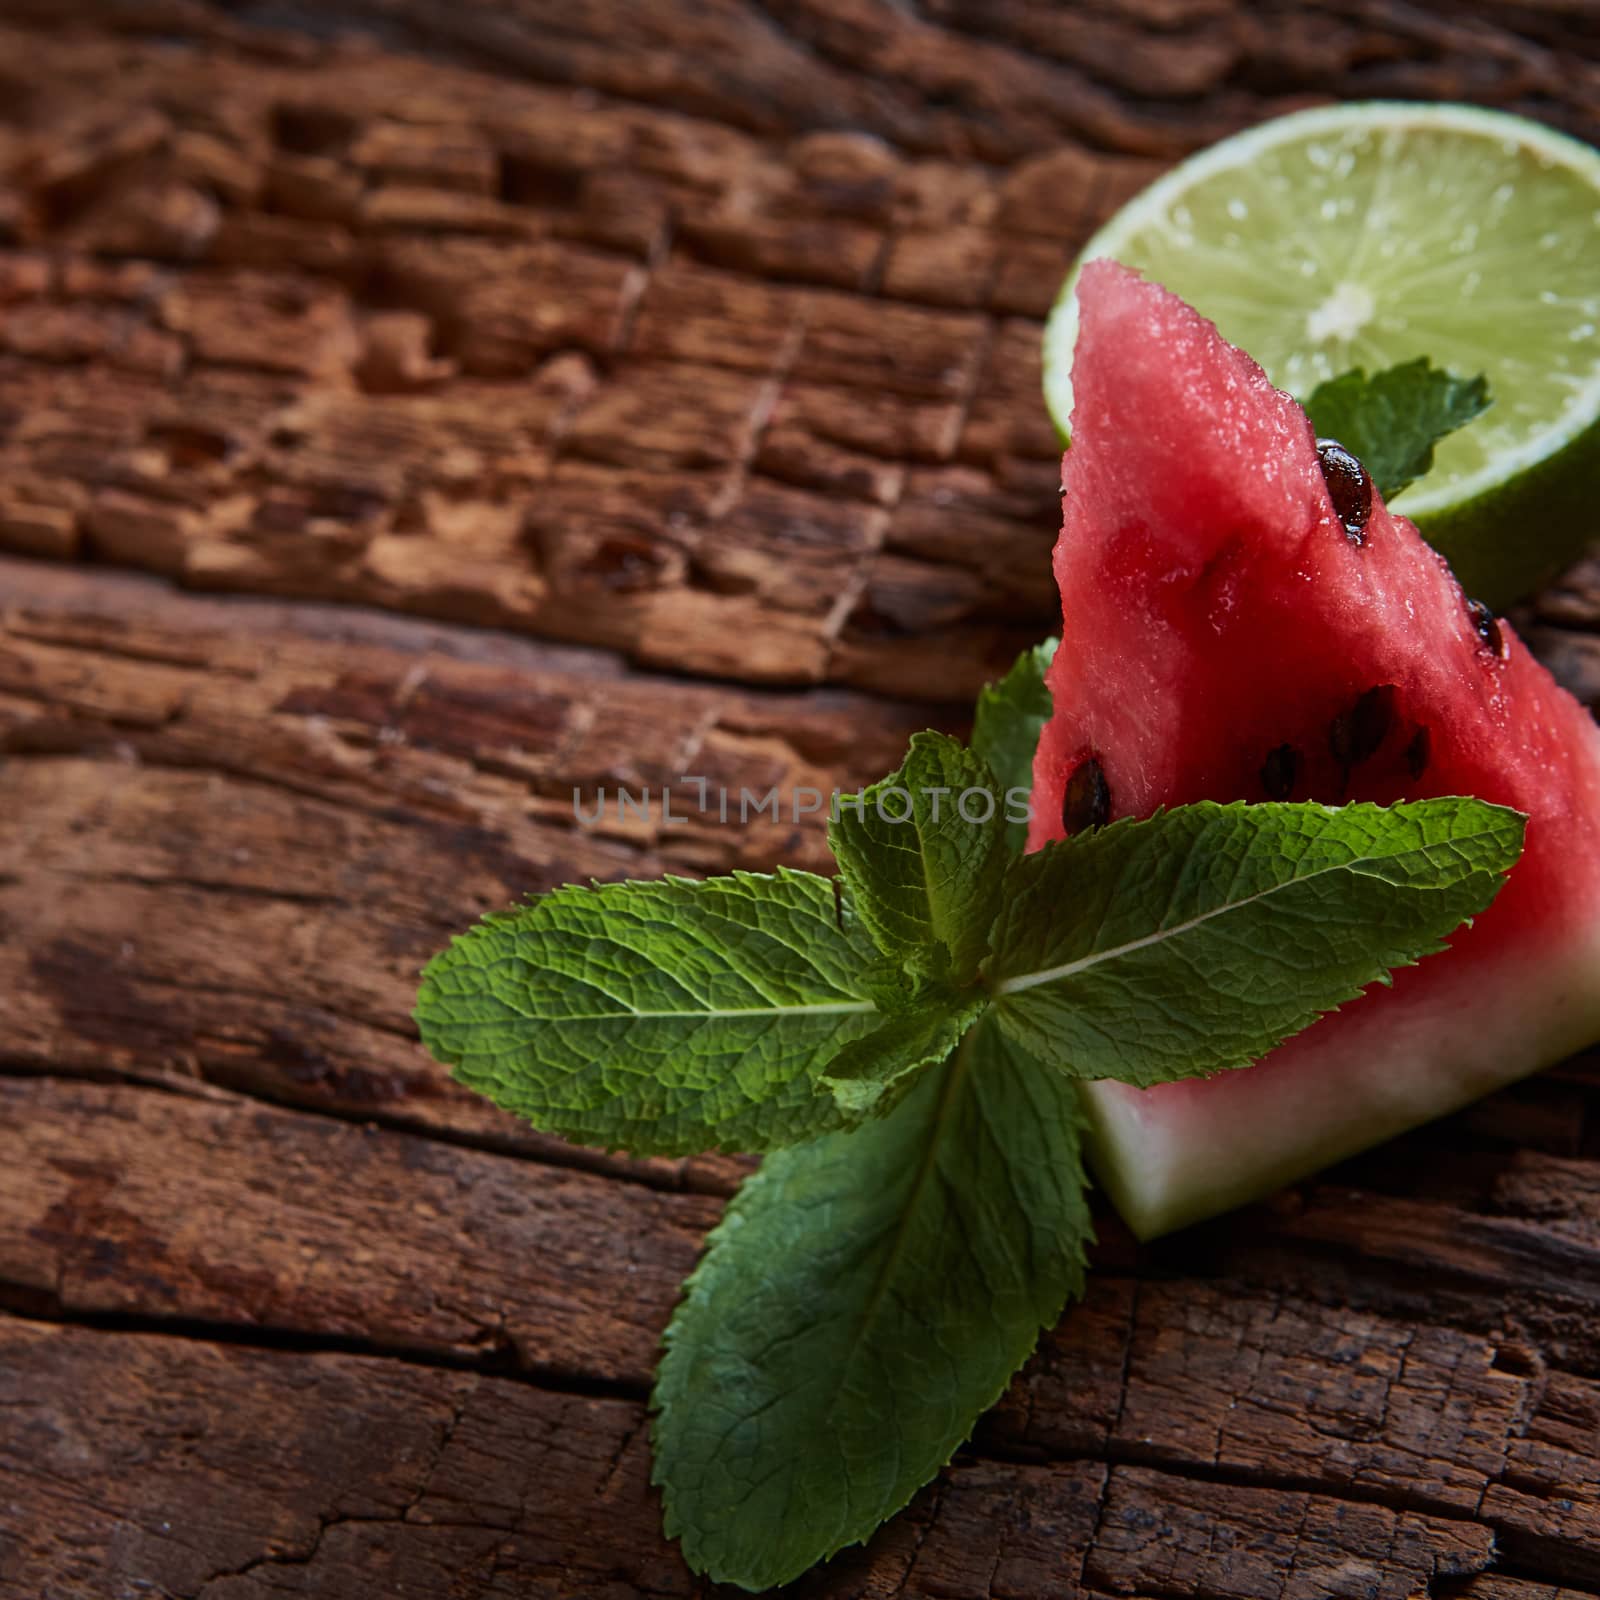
(1371,233)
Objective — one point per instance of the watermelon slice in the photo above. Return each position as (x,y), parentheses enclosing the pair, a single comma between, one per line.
(1245,619)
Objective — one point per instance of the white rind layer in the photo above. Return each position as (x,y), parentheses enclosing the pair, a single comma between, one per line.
(1182,1152)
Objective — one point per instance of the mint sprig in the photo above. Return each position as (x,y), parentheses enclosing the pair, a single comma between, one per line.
(902,1046)
(1006,724)
(909,1044)
(866,1298)
(924,854)
(1393,419)
(663,1018)
(1246,922)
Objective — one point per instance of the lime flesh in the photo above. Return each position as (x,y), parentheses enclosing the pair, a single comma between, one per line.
(1368,234)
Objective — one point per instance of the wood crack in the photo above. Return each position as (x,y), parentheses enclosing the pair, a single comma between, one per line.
(22,1302)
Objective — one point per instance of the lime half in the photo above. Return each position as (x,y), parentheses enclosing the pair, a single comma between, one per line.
(1365,234)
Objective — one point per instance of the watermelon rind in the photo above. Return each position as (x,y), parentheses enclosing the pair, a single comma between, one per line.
(1330,1095)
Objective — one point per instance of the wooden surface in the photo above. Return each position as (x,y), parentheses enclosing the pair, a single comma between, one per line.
(673,364)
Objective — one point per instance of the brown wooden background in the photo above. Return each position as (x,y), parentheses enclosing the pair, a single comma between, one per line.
(689,345)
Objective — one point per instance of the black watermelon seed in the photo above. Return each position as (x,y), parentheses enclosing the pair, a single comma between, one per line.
(1087,802)
(1349,488)
(1487,627)
(1356,734)
(1279,771)
(1419,752)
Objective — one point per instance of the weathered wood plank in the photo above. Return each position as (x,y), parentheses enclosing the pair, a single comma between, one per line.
(238,829)
(215,1471)
(1262,1382)
(1267,1383)
(230,842)
(963,79)
(1167,1536)
(249,765)
(739,397)
(124,1201)
(132,1201)
(258,1473)
(1476,1263)
(393,332)
(1493,1587)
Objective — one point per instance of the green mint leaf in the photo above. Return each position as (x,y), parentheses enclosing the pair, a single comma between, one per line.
(923,854)
(1393,419)
(864,1300)
(1010,716)
(867,1075)
(886,980)
(1201,938)
(662,1018)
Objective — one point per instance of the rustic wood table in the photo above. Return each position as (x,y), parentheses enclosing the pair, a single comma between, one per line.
(411,411)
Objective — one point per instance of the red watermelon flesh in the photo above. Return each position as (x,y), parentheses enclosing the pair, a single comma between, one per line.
(1225,637)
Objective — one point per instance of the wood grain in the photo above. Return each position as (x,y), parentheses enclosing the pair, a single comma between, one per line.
(233,842)
(698,379)
(244,823)
(493,402)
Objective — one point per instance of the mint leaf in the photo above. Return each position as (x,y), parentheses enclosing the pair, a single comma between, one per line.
(1010,716)
(864,1072)
(662,1018)
(1199,939)
(1393,419)
(924,879)
(864,1300)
